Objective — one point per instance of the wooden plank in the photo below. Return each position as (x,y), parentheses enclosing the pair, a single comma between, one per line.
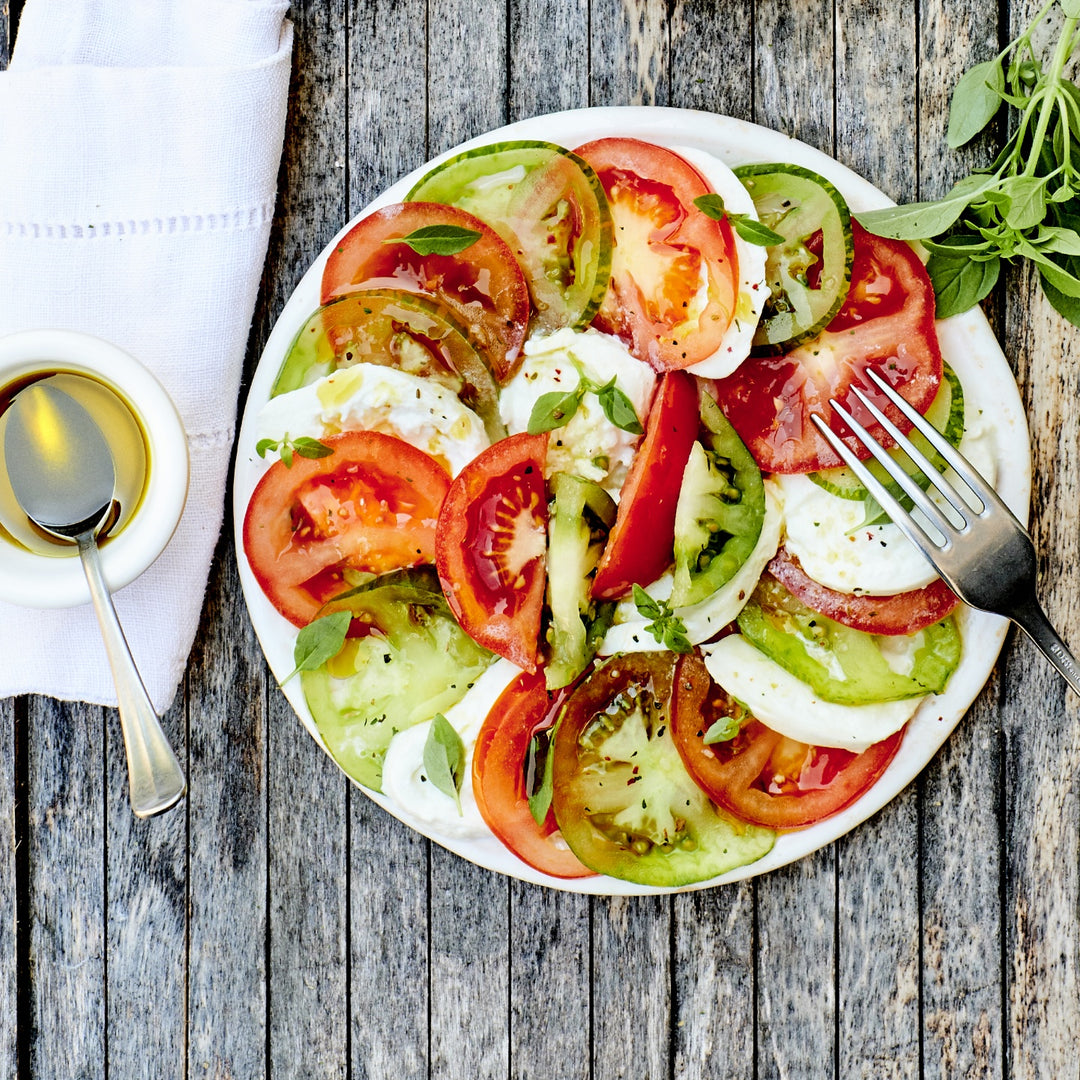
(1042,735)
(714,985)
(711,57)
(227,883)
(628,53)
(961,788)
(146,891)
(13,727)
(549,983)
(548,56)
(632,973)
(307,799)
(65,792)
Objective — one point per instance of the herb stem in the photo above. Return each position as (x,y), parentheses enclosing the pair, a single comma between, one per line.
(1050,93)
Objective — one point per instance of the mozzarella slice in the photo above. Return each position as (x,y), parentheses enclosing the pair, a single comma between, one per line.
(702,621)
(735,346)
(590,445)
(372,397)
(786,704)
(404,777)
(823,532)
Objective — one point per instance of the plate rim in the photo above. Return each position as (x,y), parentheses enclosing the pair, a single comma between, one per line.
(729,139)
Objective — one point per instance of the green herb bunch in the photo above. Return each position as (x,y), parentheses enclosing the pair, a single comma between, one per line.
(1025,204)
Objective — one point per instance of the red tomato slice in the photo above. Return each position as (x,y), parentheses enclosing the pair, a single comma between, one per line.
(664,249)
(482,285)
(371,505)
(501,786)
(887,323)
(639,548)
(899,613)
(760,775)
(491,547)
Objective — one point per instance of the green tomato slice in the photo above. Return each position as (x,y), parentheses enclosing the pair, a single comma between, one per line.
(550,207)
(414,661)
(808,274)
(720,511)
(395,329)
(844,665)
(623,798)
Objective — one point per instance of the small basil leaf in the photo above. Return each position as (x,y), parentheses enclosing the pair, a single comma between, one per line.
(286,453)
(1027,202)
(753,232)
(438,239)
(975,101)
(960,284)
(711,205)
(646,605)
(540,800)
(619,409)
(724,730)
(444,758)
(319,641)
(554,410)
(311,448)
(263,445)
(915,221)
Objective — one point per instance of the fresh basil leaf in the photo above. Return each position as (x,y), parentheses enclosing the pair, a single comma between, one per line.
(319,641)
(438,239)
(1066,306)
(646,605)
(915,221)
(540,800)
(619,409)
(554,410)
(1060,279)
(444,758)
(956,244)
(666,627)
(1059,240)
(975,101)
(753,232)
(711,205)
(311,448)
(960,284)
(724,730)
(263,445)
(285,452)
(1027,201)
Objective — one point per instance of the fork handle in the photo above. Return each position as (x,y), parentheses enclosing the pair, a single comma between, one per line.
(1031,618)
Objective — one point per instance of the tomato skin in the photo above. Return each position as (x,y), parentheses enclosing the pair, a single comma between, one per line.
(523,710)
(641,545)
(900,613)
(483,285)
(760,775)
(886,323)
(370,505)
(490,547)
(663,245)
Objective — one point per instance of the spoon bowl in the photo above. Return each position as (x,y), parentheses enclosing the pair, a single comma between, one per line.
(63,476)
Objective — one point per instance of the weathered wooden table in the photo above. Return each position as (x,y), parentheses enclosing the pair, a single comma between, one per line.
(279,924)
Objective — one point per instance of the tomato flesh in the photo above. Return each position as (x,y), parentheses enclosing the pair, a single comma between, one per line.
(666,252)
(482,285)
(886,323)
(900,613)
(641,545)
(502,788)
(369,506)
(760,775)
(490,547)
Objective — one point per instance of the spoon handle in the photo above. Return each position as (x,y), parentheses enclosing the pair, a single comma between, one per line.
(156,779)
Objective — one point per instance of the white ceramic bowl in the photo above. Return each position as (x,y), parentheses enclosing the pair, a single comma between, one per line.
(36,580)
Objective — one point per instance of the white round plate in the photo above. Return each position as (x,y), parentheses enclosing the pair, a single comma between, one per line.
(966,341)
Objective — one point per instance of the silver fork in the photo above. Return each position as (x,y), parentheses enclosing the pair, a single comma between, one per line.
(980,550)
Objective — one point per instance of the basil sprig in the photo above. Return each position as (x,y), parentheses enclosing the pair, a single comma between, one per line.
(438,239)
(304,447)
(1024,205)
(319,641)
(747,227)
(666,627)
(557,408)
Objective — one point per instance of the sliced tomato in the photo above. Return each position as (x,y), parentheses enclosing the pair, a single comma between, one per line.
(666,251)
(371,506)
(760,775)
(483,286)
(490,547)
(502,782)
(640,547)
(899,613)
(886,323)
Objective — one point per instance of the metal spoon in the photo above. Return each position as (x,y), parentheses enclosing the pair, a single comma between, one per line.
(62,473)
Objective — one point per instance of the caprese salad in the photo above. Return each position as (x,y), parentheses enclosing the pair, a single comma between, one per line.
(566,560)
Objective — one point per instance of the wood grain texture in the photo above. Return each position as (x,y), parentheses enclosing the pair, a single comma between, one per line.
(547,56)
(9,913)
(227,841)
(628,52)
(711,57)
(65,791)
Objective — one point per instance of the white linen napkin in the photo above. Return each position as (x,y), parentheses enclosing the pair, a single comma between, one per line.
(139,149)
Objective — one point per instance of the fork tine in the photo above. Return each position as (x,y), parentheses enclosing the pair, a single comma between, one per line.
(919,498)
(951,456)
(888,502)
